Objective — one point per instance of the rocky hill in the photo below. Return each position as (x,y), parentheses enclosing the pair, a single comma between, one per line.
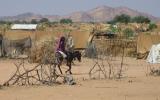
(98,14)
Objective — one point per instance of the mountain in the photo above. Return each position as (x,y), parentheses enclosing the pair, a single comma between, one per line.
(79,17)
(21,17)
(29,17)
(98,14)
(105,13)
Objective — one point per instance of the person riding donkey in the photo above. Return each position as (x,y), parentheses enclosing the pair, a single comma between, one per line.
(61,47)
(62,53)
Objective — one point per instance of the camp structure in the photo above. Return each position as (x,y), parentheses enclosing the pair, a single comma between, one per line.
(24,27)
(144,44)
(18,39)
(154,54)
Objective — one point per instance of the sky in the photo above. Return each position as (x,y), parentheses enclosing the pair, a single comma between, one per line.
(63,7)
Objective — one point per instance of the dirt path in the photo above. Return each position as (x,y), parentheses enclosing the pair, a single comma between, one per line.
(134,86)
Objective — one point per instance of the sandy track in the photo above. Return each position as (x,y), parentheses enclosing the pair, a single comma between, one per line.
(135,86)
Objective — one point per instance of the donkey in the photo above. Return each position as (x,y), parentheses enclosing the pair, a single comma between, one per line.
(69,59)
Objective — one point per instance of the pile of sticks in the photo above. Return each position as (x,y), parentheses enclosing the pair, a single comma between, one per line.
(105,65)
(38,75)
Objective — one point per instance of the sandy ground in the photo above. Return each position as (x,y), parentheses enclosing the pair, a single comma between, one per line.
(135,84)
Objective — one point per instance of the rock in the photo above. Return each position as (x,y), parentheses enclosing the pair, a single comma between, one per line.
(69,80)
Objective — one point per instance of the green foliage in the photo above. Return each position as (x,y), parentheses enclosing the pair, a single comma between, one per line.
(112,22)
(44,20)
(34,21)
(128,32)
(122,18)
(53,23)
(20,22)
(5,22)
(141,19)
(113,29)
(152,26)
(126,19)
(65,21)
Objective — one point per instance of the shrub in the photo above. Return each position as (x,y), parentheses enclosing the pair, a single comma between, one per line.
(152,26)
(141,19)
(128,32)
(122,18)
(65,21)
(44,20)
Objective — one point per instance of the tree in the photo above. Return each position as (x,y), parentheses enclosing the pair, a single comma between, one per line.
(2,22)
(141,19)
(128,32)
(152,26)
(66,21)
(122,18)
(34,21)
(112,22)
(44,20)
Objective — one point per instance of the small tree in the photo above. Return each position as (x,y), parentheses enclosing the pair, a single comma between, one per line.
(122,18)
(128,32)
(141,19)
(112,22)
(44,20)
(34,21)
(6,22)
(152,26)
(113,29)
(3,22)
(66,21)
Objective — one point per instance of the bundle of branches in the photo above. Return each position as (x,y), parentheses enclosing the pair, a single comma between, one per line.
(37,75)
(43,53)
(48,52)
(106,65)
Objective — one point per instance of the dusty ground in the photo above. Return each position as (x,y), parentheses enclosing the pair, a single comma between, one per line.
(135,85)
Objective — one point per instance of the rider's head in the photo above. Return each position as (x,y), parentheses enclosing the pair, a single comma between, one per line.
(62,39)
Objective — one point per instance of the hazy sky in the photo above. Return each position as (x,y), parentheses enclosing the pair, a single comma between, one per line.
(62,7)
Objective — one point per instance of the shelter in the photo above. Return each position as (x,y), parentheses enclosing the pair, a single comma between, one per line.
(145,42)
(154,54)
(106,34)
(24,27)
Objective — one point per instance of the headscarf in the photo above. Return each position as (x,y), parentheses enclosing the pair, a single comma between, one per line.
(61,45)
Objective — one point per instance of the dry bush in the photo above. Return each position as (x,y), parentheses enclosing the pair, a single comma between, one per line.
(43,53)
(107,66)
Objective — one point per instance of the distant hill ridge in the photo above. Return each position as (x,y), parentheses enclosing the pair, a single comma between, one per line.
(98,14)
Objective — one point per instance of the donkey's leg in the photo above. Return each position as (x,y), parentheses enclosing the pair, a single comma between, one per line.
(70,69)
(60,69)
(69,65)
